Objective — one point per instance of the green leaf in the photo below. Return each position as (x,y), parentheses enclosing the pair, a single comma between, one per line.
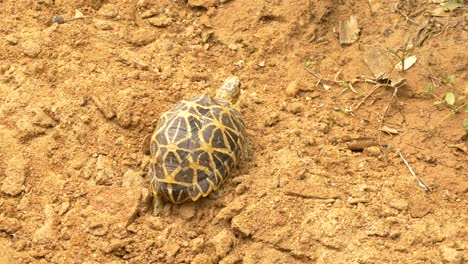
(450,6)
(450,98)
(451,79)
(466,90)
(428,89)
(465,124)
(307,63)
(437,102)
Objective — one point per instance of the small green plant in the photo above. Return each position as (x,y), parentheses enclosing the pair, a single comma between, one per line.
(307,63)
(450,80)
(451,99)
(465,125)
(454,99)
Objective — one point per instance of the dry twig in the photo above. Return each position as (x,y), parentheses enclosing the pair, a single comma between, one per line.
(403,14)
(395,91)
(420,182)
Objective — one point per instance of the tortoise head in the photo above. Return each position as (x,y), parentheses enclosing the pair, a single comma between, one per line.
(230,90)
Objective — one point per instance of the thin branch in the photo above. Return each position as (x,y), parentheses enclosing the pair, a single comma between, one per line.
(403,14)
(395,91)
(420,182)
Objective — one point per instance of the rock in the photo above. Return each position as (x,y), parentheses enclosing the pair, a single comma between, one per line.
(131,58)
(201,258)
(132,179)
(379,228)
(187,210)
(9,225)
(323,127)
(64,207)
(211,11)
(97,226)
(295,108)
(112,206)
(223,242)
(232,259)
(104,172)
(242,225)
(293,89)
(399,204)
(197,244)
(450,255)
(31,48)
(143,3)
(161,21)
(102,25)
(229,212)
(11,39)
(48,232)
(118,247)
(15,172)
(232,47)
(420,208)
(103,108)
(44,118)
(373,151)
(242,188)
(272,120)
(142,205)
(27,130)
(150,13)
(171,248)
(142,37)
(357,200)
(108,11)
(202,3)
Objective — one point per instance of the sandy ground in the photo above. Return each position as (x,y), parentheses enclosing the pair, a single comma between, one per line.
(79,99)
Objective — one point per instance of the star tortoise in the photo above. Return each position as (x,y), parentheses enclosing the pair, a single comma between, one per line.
(196,145)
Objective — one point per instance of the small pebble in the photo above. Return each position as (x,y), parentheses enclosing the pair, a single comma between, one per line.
(242,188)
(399,204)
(187,211)
(232,46)
(102,25)
(223,242)
(295,108)
(58,19)
(168,46)
(31,48)
(201,258)
(108,11)
(292,89)
(12,40)
(373,151)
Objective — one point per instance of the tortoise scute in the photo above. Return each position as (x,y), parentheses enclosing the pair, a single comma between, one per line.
(195,147)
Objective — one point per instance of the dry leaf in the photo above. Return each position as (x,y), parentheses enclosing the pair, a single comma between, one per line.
(349,30)
(389,130)
(78,14)
(409,61)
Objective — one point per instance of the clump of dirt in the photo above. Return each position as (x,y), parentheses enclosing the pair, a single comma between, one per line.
(80,97)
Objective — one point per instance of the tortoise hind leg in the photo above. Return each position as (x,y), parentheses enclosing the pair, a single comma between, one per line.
(216,193)
(158,205)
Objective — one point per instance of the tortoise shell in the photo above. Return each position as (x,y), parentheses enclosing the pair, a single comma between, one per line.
(195,147)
